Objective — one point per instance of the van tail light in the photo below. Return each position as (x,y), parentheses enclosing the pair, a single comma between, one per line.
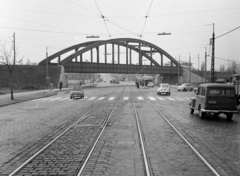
(212,102)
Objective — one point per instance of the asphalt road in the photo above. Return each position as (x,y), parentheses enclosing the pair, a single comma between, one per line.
(23,125)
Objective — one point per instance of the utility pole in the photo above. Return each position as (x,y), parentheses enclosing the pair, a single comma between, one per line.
(205,68)
(198,62)
(189,67)
(47,75)
(213,50)
(178,68)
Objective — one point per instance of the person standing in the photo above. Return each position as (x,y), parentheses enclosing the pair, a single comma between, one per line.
(60,85)
(51,86)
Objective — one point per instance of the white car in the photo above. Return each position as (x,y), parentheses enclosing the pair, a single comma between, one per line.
(163,89)
(185,87)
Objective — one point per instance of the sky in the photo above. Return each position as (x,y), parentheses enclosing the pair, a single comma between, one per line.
(58,24)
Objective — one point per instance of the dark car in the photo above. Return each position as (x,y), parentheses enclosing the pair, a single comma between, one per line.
(77,92)
(214,98)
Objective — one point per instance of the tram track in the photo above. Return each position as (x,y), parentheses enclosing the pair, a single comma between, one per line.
(83,117)
(195,151)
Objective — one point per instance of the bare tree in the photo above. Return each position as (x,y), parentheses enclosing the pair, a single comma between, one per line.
(8,58)
(233,68)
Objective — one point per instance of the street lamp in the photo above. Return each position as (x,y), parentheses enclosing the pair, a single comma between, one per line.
(92,36)
(164,33)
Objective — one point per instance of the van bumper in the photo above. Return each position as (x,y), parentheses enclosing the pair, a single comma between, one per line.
(219,111)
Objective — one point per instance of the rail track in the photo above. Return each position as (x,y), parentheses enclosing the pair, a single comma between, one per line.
(73,148)
(33,165)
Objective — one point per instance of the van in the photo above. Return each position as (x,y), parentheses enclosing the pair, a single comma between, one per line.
(214,98)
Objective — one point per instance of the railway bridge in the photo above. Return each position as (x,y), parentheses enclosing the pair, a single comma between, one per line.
(121,55)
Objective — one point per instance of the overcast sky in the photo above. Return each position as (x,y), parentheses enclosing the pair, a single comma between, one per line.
(58,24)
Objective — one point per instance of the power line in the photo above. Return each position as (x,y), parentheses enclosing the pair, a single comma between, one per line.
(35,30)
(228,32)
(82,7)
(103,18)
(122,28)
(52,13)
(146,18)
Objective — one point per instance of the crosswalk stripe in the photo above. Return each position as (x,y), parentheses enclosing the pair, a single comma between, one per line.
(101,98)
(170,98)
(38,99)
(44,99)
(160,98)
(111,98)
(92,98)
(187,98)
(179,98)
(55,99)
(151,98)
(140,98)
(126,98)
(64,98)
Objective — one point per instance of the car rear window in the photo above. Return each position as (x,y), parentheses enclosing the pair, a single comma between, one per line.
(221,92)
(164,86)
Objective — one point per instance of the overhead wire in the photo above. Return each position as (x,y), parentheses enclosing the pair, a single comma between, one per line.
(82,7)
(103,17)
(46,12)
(146,19)
(228,32)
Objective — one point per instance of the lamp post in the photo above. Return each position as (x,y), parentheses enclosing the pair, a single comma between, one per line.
(212,42)
(164,33)
(47,75)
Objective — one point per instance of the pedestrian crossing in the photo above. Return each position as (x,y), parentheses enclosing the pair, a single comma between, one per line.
(53,99)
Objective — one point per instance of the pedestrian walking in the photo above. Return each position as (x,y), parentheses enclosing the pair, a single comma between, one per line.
(51,86)
(60,85)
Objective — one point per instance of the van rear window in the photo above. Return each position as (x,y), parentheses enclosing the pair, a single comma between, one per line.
(221,92)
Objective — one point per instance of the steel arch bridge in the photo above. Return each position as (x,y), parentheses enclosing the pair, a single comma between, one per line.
(74,63)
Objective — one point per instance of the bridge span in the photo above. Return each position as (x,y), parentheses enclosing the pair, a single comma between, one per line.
(121,55)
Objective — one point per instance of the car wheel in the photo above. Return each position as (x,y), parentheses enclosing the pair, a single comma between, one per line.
(191,89)
(169,93)
(229,116)
(70,97)
(201,114)
(178,90)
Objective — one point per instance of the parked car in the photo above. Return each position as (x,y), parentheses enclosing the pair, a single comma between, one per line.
(221,81)
(185,87)
(77,92)
(163,89)
(216,99)
(150,84)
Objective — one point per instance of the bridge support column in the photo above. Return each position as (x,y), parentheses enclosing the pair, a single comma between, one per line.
(105,53)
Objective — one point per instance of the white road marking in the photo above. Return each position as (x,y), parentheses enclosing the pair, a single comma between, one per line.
(126,98)
(170,98)
(55,99)
(101,98)
(160,98)
(140,98)
(179,98)
(92,98)
(46,99)
(151,98)
(187,98)
(38,99)
(111,98)
(64,98)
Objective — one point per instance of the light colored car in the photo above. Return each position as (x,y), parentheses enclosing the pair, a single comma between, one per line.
(185,87)
(77,92)
(163,89)
(150,84)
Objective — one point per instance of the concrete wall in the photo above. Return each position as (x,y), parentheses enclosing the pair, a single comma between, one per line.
(25,75)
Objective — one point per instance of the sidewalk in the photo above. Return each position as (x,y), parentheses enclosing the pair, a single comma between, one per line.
(31,95)
(26,96)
